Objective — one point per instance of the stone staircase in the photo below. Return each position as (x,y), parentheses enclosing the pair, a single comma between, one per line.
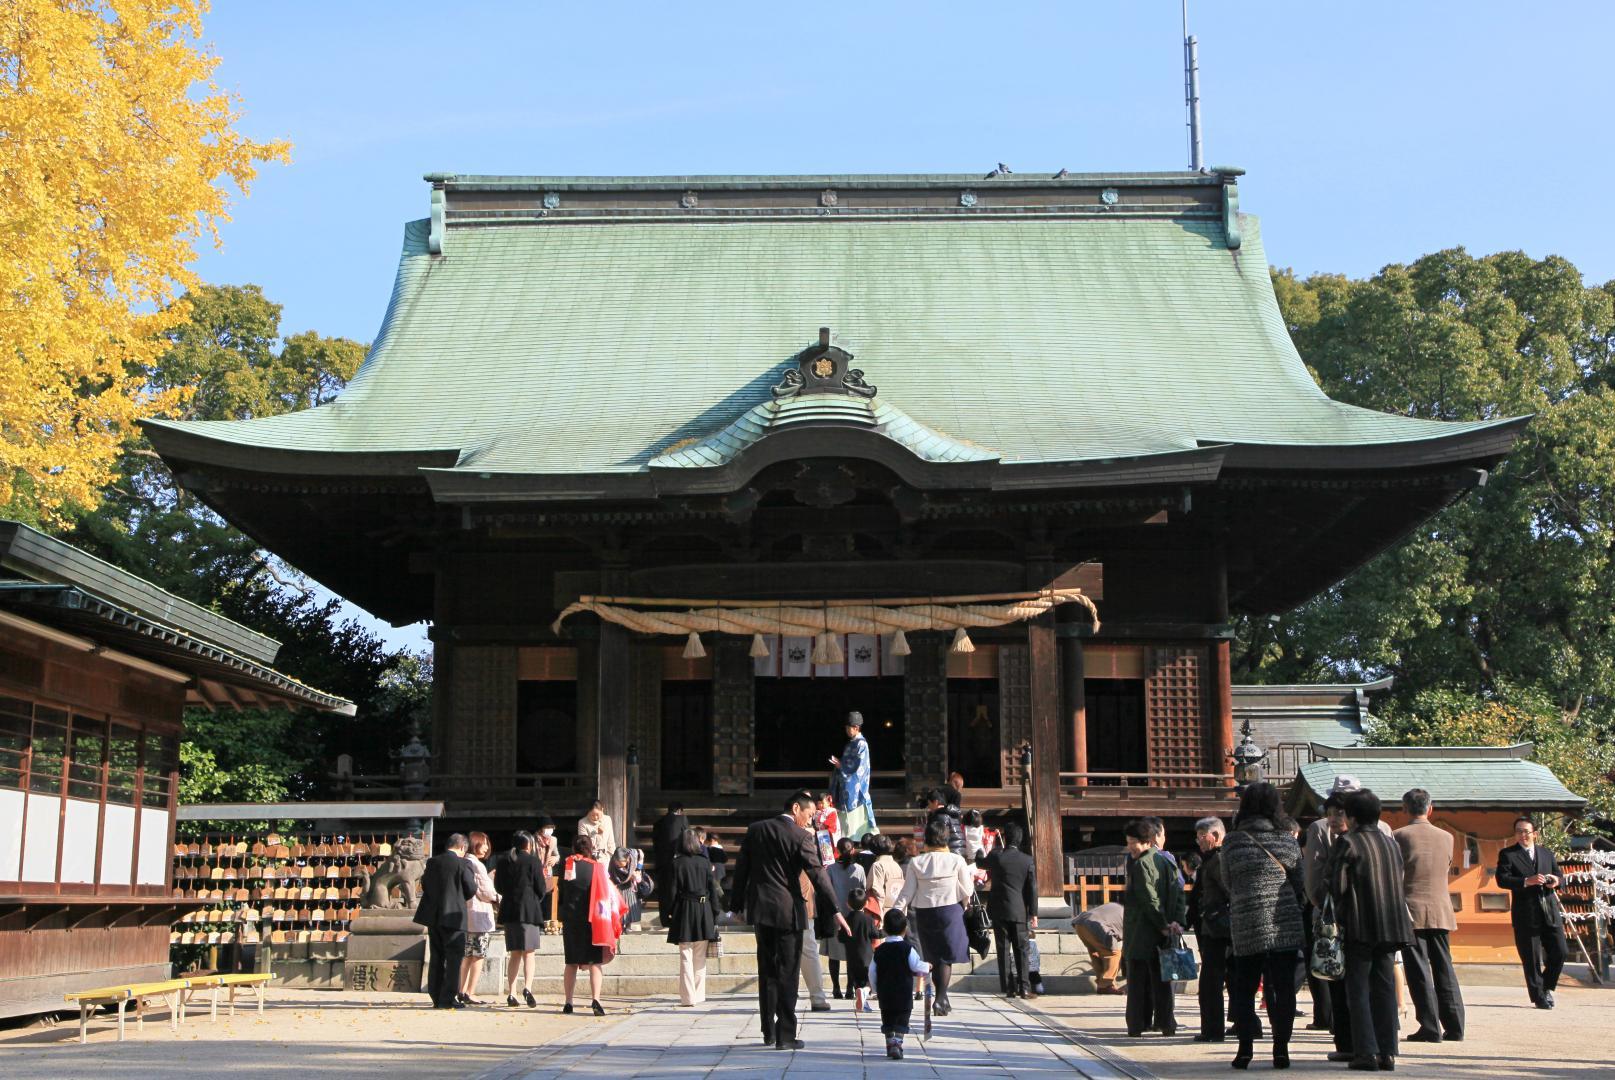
(647,965)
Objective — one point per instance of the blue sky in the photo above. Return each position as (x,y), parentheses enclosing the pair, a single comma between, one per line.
(1373,132)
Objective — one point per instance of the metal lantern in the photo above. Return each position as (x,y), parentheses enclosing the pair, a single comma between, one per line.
(1248,758)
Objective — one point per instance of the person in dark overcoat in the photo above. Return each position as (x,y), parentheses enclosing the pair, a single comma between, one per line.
(1210,918)
(692,915)
(522,884)
(1366,880)
(446,884)
(665,836)
(1012,907)
(775,856)
(1531,874)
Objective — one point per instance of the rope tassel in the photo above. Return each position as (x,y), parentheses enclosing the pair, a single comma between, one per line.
(962,642)
(759,647)
(692,647)
(900,644)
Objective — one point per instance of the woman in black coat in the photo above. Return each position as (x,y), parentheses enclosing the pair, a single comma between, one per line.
(520,881)
(1260,865)
(692,921)
(1365,879)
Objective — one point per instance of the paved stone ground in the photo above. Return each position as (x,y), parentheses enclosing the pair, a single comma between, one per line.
(302,1035)
(1505,1038)
(982,1038)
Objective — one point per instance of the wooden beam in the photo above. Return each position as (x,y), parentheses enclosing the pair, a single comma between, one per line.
(1074,703)
(611,727)
(1048,843)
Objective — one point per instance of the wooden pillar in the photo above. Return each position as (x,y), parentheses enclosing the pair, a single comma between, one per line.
(1047,843)
(611,693)
(925,711)
(1074,699)
(1221,727)
(733,707)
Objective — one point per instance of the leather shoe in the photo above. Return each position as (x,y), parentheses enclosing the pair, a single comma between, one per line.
(1341,1055)
(1112,990)
(1422,1036)
(790,1044)
(1203,1037)
(1547,996)
(1543,1005)
(823,1006)
(1364,1064)
(1385,1063)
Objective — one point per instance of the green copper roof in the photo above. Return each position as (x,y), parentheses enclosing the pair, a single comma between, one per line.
(1455,777)
(554,347)
(761,420)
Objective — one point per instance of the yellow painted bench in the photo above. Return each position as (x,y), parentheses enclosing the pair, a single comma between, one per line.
(171,991)
(253,981)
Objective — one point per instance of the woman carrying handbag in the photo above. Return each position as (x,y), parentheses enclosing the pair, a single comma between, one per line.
(1260,861)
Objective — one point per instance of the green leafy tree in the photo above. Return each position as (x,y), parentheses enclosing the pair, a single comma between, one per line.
(1576,751)
(231,359)
(1512,585)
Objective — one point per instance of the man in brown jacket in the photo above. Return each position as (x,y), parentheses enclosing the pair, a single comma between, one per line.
(1432,982)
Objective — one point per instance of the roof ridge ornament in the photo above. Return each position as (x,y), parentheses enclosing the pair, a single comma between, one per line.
(823,369)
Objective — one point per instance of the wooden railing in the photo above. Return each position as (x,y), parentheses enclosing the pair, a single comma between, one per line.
(487,787)
(508,785)
(814,779)
(1153,785)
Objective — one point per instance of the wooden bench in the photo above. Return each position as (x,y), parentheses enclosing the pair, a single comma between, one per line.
(253,981)
(171,991)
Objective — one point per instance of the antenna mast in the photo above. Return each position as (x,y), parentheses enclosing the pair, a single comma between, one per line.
(1191,92)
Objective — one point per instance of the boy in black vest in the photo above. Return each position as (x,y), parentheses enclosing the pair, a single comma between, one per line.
(892,974)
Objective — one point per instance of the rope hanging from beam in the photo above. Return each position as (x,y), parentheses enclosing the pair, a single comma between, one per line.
(797,619)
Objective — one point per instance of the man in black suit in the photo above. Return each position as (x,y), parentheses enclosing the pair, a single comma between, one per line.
(447,883)
(1529,871)
(768,874)
(1012,906)
(665,836)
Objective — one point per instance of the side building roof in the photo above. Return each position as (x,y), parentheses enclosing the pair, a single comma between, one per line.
(53,590)
(1457,777)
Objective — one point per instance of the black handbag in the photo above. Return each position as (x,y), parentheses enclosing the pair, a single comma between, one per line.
(1217,921)
(978,925)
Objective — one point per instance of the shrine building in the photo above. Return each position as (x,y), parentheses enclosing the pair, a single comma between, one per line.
(993,461)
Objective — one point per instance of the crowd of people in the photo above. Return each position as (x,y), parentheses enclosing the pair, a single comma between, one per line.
(1338,909)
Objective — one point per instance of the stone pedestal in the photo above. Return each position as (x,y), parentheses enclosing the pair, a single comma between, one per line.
(386,952)
(491,983)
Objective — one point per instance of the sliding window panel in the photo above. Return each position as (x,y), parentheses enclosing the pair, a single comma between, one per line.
(81,836)
(39,842)
(11,804)
(118,845)
(155,854)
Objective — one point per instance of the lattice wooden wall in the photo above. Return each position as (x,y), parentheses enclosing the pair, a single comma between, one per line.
(482,711)
(733,706)
(925,710)
(1014,708)
(1175,709)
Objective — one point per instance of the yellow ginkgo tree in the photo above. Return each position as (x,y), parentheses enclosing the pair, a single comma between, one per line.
(117,152)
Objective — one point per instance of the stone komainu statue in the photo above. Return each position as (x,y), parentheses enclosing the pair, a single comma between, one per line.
(403,868)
